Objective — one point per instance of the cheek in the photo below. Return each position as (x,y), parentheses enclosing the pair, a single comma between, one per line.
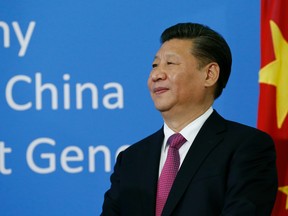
(187,86)
(149,82)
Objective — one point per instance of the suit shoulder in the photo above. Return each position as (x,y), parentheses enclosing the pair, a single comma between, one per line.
(245,130)
(152,139)
(217,123)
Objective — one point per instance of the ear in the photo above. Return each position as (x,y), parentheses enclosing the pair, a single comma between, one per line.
(212,74)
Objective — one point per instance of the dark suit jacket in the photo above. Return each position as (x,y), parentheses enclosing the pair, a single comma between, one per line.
(229,170)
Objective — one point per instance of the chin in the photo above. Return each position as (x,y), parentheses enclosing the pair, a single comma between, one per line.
(161,108)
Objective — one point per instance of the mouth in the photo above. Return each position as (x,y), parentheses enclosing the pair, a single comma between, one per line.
(160,90)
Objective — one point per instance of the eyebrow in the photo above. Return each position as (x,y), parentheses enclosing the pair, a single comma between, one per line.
(167,55)
(155,57)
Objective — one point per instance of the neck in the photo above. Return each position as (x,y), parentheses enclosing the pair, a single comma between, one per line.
(177,122)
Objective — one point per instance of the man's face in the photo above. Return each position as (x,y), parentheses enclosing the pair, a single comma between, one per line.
(176,83)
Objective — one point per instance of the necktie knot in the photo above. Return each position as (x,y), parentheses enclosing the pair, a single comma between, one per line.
(176,141)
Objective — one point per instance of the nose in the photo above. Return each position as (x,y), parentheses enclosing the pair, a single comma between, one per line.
(157,75)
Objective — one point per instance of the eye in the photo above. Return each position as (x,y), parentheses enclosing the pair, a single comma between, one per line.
(154,65)
(172,63)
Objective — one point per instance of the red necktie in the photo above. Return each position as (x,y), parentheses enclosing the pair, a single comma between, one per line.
(169,171)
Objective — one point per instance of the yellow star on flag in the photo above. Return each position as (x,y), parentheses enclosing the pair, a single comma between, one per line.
(285,191)
(276,73)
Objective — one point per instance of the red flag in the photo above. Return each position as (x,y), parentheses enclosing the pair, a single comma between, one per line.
(273,98)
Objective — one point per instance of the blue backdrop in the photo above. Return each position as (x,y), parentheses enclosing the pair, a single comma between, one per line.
(73,91)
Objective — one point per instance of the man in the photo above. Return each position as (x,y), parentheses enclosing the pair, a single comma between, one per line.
(225,168)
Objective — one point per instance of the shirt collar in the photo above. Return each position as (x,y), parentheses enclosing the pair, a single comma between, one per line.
(191,130)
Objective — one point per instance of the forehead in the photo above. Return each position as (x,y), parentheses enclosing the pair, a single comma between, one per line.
(175,47)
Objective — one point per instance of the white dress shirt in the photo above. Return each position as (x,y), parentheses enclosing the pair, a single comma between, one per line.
(189,132)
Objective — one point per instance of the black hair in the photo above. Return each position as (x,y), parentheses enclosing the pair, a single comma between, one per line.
(207,46)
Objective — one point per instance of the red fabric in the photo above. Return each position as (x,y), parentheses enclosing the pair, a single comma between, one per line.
(276,10)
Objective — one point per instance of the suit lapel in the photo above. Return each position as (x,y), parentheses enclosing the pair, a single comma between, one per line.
(149,171)
(206,140)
